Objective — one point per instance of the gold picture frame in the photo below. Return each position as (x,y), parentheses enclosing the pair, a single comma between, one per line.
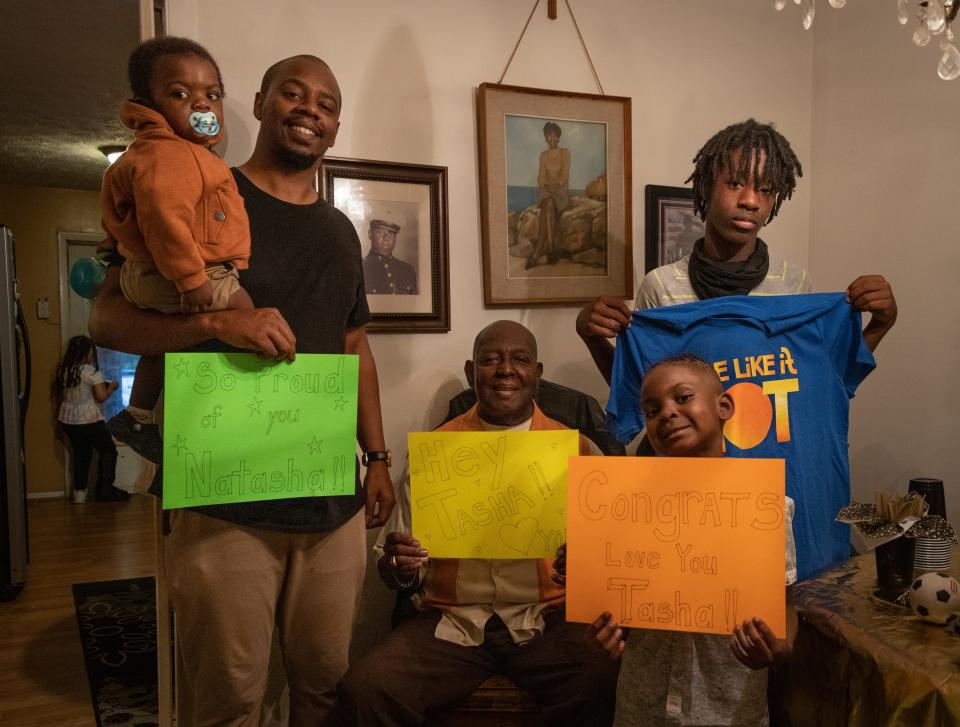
(579,185)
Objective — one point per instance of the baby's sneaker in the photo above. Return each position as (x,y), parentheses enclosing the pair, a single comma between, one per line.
(142,437)
(79,497)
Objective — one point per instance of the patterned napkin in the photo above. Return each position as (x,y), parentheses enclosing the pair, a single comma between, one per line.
(894,515)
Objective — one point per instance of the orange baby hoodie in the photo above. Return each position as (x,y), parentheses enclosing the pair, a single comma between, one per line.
(172,202)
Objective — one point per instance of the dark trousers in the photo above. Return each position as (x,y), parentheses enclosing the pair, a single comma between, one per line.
(84,439)
(412,674)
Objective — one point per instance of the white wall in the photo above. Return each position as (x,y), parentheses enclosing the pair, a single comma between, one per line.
(409,71)
(885,150)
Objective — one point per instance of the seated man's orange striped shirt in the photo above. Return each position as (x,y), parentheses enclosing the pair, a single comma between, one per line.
(470,590)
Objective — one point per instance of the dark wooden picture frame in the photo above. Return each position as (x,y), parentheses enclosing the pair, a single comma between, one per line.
(411,200)
(671,225)
(583,178)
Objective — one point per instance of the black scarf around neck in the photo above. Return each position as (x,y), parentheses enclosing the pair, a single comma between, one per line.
(713,279)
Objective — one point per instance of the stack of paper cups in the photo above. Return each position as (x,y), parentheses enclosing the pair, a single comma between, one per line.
(932,555)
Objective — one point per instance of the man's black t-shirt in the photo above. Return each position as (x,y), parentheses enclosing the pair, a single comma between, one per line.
(305,261)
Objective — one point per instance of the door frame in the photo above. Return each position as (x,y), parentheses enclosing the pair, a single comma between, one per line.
(63,242)
(64,239)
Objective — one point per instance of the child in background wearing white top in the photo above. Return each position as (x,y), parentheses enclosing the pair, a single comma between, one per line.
(78,388)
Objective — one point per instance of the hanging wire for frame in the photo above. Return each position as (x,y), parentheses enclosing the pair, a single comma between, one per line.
(585,51)
(576,26)
(517,45)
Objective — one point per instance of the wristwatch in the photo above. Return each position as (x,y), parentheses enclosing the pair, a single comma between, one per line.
(383,456)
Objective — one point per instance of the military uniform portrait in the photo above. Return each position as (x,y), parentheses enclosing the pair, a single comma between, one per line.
(400,214)
(383,272)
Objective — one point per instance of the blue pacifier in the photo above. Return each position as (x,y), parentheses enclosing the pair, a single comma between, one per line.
(205,122)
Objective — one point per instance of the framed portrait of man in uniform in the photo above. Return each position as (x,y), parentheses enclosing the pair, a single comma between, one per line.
(400,214)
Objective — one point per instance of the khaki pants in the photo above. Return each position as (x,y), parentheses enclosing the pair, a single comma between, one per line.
(143,285)
(229,585)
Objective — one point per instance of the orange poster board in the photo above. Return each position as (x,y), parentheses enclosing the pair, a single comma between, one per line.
(677,544)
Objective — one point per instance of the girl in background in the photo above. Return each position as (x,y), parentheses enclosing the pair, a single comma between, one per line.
(77,390)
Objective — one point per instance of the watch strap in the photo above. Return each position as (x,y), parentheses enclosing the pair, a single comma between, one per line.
(377,456)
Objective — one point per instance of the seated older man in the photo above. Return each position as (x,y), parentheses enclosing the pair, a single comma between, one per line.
(477,618)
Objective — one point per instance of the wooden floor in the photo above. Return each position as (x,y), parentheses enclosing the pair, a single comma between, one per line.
(42,677)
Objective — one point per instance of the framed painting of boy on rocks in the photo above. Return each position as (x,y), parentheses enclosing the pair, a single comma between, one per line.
(555,195)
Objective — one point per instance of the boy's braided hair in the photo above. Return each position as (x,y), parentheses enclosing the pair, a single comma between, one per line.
(145,57)
(780,170)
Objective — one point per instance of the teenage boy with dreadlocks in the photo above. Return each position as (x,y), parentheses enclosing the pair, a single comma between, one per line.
(741,177)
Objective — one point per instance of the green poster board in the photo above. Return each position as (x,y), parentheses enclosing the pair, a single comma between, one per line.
(238,428)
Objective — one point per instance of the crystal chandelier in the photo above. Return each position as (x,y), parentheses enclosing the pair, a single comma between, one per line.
(934,16)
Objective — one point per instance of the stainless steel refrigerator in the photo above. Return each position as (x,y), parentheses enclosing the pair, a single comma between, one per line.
(14,397)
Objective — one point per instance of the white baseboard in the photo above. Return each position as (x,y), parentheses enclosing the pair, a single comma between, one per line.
(45,495)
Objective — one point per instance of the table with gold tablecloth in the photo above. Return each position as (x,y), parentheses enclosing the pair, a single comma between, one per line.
(861,661)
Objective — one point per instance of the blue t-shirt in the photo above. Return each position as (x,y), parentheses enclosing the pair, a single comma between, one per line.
(791,363)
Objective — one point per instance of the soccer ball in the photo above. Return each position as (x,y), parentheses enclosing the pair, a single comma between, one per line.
(935,597)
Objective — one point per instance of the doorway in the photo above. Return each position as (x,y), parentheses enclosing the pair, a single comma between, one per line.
(132,470)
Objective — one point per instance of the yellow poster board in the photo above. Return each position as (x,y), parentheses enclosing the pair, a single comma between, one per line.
(678,544)
(490,494)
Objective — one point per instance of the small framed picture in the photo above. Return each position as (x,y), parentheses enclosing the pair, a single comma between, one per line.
(400,213)
(554,195)
(671,225)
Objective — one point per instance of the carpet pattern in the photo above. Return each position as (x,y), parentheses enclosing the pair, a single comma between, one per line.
(118,630)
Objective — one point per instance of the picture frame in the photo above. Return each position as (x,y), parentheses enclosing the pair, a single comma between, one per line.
(581,183)
(402,209)
(671,225)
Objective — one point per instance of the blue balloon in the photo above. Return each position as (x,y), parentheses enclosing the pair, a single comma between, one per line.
(86,276)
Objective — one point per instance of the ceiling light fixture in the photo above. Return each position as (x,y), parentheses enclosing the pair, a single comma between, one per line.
(934,16)
(112,151)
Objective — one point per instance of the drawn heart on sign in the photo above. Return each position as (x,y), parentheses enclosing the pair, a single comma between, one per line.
(520,537)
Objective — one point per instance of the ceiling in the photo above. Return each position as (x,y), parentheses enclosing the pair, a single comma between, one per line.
(63,66)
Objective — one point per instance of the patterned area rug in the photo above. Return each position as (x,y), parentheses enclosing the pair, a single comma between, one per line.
(118,630)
